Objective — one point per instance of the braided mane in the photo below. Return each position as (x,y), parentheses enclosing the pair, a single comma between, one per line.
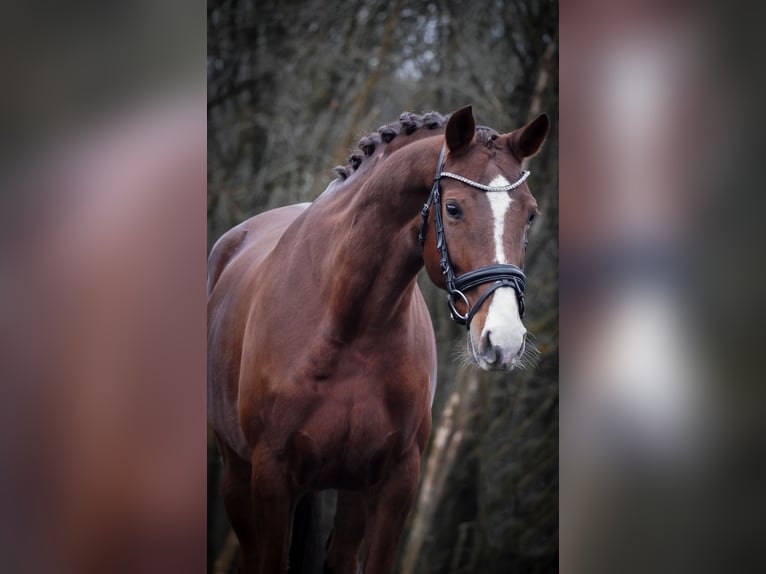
(408,123)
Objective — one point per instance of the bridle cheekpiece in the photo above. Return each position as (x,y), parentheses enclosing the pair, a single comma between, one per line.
(500,274)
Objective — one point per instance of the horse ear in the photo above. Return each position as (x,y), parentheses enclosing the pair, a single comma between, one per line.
(460,130)
(526,142)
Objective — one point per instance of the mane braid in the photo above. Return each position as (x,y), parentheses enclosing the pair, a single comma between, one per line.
(408,124)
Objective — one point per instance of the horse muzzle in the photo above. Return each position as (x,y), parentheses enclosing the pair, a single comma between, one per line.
(501,342)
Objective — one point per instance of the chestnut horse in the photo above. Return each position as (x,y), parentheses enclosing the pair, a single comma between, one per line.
(321,351)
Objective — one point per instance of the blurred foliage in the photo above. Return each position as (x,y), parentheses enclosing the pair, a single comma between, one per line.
(291,87)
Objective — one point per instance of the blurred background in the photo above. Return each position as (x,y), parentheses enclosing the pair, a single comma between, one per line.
(291,89)
(662,428)
(102,287)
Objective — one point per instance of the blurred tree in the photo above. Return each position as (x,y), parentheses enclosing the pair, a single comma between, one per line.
(291,86)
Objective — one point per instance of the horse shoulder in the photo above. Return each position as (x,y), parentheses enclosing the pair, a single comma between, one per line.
(232,270)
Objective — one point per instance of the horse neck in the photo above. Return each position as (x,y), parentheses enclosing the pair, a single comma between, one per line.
(374,237)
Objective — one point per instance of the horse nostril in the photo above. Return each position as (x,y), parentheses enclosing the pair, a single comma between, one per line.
(486,343)
(491,353)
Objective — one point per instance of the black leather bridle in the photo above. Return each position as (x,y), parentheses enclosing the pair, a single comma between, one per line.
(500,275)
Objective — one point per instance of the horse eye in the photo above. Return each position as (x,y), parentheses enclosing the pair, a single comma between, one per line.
(532,217)
(454,211)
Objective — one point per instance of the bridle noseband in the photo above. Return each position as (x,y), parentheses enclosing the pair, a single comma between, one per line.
(501,274)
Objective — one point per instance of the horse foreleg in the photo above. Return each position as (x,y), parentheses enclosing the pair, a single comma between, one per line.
(347,534)
(387,511)
(235,482)
(272,513)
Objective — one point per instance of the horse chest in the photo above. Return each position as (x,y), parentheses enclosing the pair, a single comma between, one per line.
(352,433)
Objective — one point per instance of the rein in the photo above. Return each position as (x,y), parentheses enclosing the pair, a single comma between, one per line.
(501,274)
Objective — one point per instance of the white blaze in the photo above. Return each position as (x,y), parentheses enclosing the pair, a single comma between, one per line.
(503,321)
(500,202)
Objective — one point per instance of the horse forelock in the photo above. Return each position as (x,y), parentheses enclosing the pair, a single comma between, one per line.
(407,124)
(486,136)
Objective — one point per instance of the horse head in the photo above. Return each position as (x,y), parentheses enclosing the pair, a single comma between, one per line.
(474,230)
